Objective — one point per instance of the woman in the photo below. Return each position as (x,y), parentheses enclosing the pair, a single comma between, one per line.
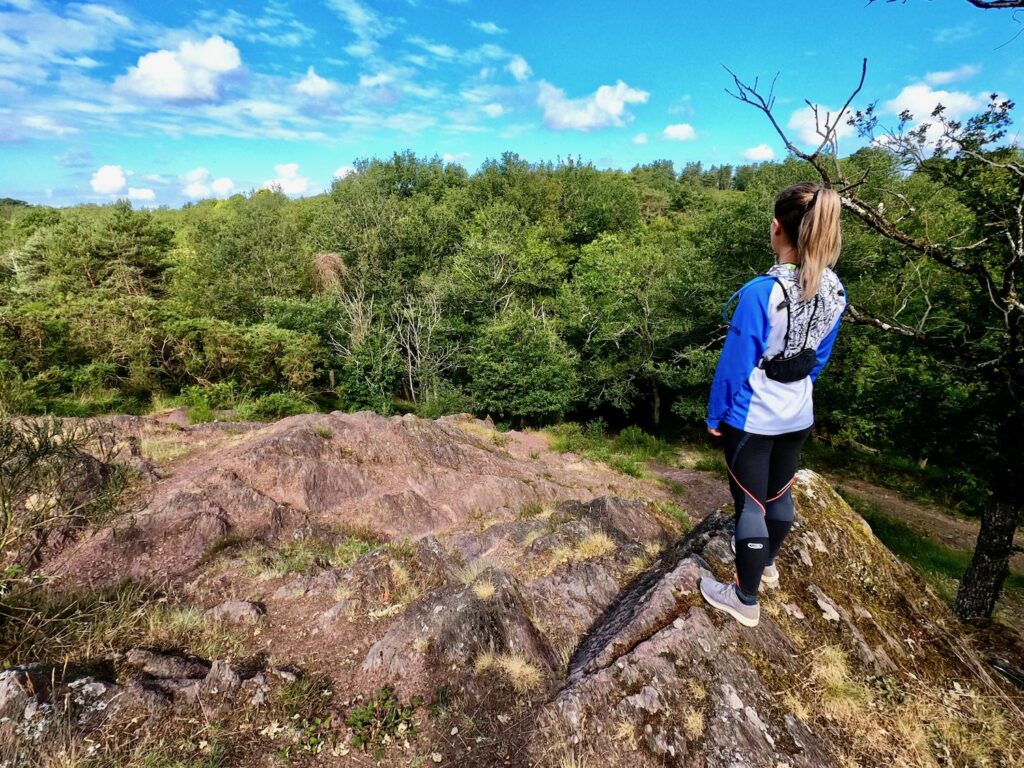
(779,339)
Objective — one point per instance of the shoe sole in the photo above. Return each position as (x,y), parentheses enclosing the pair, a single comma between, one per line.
(745,621)
(770,583)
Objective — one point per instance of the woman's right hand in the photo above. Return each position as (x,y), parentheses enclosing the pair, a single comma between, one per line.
(714,432)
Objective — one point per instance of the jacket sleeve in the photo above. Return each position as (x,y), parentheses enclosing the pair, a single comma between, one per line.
(825,348)
(744,346)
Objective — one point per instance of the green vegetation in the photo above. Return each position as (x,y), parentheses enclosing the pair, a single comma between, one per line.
(379,721)
(940,565)
(542,292)
(303,555)
(627,451)
(531,292)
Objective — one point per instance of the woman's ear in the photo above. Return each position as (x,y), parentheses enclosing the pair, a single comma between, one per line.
(776,227)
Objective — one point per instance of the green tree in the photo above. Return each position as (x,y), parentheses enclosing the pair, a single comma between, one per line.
(521,369)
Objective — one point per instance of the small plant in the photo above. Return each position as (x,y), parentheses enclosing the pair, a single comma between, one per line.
(597,544)
(517,669)
(305,555)
(711,463)
(304,703)
(533,509)
(323,432)
(484,589)
(693,724)
(677,513)
(377,723)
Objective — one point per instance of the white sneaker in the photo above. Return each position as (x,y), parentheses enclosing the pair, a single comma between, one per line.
(770,576)
(724,598)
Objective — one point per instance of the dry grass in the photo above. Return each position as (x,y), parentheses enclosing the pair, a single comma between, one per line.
(569,760)
(484,589)
(693,724)
(914,723)
(304,555)
(163,450)
(625,734)
(597,544)
(184,627)
(516,668)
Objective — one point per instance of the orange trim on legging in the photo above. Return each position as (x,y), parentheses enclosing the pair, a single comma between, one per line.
(782,492)
(752,496)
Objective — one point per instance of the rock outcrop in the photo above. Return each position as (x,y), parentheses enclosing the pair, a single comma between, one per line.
(399,477)
(503,607)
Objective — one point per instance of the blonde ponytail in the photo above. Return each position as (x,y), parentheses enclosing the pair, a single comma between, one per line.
(809,215)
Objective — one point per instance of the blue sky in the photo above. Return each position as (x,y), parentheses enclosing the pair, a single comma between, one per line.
(165,102)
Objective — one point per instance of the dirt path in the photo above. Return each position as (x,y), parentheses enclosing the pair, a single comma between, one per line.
(954,532)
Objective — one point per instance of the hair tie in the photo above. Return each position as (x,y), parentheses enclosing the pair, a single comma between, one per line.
(814,199)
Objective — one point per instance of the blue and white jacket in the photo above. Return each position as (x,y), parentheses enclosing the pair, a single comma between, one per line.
(741,394)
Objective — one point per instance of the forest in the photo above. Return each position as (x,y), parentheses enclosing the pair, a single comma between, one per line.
(533,293)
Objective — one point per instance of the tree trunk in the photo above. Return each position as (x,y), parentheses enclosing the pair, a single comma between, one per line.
(982,583)
(656,403)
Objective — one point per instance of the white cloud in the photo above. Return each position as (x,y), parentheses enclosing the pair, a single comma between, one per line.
(193,72)
(343,171)
(461,157)
(222,187)
(440,50)
(32,36)
(640,138)
(519,68)
(288,179)
(759,154)
(803,125)
(606,106)
(47,125)
(679,132)
(141,194)
(314,86)
(487,27)
(921,99)
(494,110)
(365,24)
(198,185)
(371,81)
(965,72)
(956,33)
(109,180)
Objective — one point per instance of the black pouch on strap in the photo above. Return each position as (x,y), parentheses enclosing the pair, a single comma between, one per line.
(792,368)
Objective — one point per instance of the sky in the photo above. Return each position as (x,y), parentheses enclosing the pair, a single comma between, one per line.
(168,102)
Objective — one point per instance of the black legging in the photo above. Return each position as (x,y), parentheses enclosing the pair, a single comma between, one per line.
(761,470)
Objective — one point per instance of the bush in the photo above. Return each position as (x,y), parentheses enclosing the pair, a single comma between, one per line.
(275,406)
(522,369)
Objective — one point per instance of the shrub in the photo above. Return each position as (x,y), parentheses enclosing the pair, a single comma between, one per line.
(275,406)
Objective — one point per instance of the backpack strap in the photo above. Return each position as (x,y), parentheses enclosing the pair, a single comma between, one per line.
(728,304)
(789,317)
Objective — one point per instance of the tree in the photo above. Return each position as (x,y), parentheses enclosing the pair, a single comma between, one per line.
(521,369)
(981,262)
(628,310)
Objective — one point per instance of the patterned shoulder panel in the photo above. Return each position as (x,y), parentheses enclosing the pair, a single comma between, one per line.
(813,318)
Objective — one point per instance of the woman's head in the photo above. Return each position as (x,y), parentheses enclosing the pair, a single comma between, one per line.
(807,220)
